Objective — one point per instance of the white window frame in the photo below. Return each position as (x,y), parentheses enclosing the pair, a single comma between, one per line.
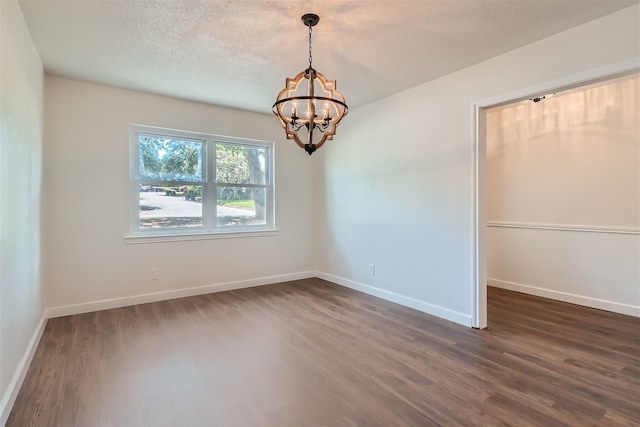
(209,229)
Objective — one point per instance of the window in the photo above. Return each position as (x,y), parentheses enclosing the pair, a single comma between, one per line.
(185,183)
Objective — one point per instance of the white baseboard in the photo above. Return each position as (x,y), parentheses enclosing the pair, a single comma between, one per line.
(11,393)
(615,307)
(425,307)
(172,294)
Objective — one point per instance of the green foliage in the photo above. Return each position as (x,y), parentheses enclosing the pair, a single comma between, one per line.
(149,160)
(181,160)
(231,164)
(194,193)
(170,159)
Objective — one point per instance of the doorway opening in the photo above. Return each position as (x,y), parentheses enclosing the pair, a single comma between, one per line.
(480,110)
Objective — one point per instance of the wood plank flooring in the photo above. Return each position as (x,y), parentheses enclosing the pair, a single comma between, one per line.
(310,353)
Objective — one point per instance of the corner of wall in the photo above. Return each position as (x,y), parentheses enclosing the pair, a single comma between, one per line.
(22,309)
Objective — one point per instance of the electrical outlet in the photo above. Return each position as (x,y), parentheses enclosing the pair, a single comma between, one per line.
(332,259)
(372,270)
(153,273)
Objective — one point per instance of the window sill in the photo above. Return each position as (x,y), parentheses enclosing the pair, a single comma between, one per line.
(178,237)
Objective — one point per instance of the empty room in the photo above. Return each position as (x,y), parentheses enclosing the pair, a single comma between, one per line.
(301,213)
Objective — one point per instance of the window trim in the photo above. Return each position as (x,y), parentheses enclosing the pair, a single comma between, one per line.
(209,228)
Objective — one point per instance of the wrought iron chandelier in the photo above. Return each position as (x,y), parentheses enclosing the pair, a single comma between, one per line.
(312,110)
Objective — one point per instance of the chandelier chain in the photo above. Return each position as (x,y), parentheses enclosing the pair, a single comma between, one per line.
(310,30)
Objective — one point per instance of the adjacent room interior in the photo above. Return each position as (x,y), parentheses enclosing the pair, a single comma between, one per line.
(259,281)
(563,195)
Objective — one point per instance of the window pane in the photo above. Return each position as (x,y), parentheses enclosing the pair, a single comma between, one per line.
(236,164)
(170,159)
(241,206)
(170,206)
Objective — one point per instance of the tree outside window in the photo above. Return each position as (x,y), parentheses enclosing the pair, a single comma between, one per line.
(195,182)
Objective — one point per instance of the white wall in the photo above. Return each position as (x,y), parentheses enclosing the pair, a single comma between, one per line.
(399,177)
(571,159)
(86,202)
(21,291)
(569,162)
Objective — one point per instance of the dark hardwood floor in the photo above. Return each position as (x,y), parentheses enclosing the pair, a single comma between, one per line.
(310,353)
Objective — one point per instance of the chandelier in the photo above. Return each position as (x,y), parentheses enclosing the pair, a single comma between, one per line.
(311,112)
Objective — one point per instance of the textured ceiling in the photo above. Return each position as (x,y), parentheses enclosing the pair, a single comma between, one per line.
(238,53)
